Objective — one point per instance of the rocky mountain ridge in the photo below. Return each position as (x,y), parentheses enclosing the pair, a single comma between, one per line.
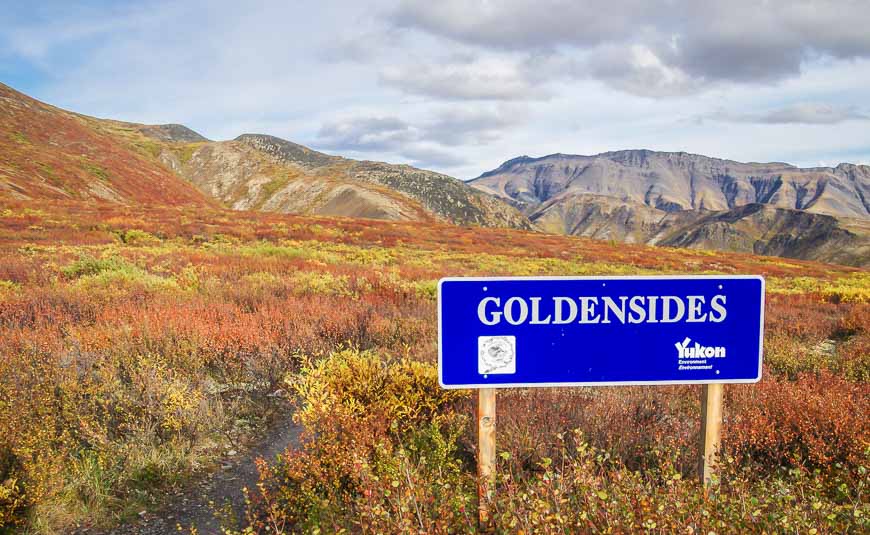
(689,200)
(262,172)
(673,181)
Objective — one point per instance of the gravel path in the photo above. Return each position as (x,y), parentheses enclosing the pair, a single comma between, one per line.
(192,508)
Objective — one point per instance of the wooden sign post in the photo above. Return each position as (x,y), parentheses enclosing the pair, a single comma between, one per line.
(520,332)
(485,454)
(711,429)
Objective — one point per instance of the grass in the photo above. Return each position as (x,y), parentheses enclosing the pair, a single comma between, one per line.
(853,288)
(185,152)
(95,170)
(270,188)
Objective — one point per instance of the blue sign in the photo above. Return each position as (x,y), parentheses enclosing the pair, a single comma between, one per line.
(573,331)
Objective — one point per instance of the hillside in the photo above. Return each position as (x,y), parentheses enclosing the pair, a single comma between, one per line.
(673,199)
(266,173)
(751,228)
(49,153)
(762,229)
(694,201)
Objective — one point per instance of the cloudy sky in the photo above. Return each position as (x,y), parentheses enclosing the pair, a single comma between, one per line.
(460,86)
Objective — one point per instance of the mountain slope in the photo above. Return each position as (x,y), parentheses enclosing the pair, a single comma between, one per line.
(674,181)
(686,200)
(766,230)
(49,153)
(245,178)
(752,228)
(267,173)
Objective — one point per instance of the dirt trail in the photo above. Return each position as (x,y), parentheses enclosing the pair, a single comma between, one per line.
(192,508)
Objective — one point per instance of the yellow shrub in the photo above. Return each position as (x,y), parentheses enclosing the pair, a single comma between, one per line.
(854,288)
(168,398)
(12,502)
(189,278)
(8,287)
(324,283)
(354,383)
(427,289)
(851,288)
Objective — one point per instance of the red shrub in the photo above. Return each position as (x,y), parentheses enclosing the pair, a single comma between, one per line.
(815,421)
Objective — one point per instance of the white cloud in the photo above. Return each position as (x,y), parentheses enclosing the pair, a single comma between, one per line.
(360,134)
(462,86)
(742,41)
(430,156)
(638,70)
(465,78)
(431,141)
(801,113)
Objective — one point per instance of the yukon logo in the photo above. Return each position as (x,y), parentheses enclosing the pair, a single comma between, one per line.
(697,351)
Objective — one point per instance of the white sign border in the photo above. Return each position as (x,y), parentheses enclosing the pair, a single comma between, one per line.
(756,379)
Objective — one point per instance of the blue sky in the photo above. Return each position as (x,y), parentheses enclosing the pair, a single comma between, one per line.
(460,86)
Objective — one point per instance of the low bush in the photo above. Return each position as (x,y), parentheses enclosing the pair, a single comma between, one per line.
(324,283)
(87,266)
(362,384)
(382,454)
(587,491)
(378,433)
(13,500)
(114,273)
(125,368)
(816,421)
(138,237)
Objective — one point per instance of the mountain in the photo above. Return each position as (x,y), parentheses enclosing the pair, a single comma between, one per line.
(261,172)
(669,199)
(50,153)
(688,200)
(672,181)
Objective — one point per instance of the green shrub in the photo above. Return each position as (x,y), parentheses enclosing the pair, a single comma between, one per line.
(96,171)
(323,283)
(138,237)
(88,265)
(112,273)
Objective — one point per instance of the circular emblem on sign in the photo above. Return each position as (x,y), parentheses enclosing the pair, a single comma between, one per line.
(496,354)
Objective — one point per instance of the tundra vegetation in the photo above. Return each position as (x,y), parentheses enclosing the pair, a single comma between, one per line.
(138,345)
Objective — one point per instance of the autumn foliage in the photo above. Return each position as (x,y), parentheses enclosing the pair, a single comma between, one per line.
(137,345)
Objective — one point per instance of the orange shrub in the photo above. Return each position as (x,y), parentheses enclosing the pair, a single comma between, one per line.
(817,421)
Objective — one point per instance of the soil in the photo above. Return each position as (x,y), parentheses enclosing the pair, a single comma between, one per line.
(195,506)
